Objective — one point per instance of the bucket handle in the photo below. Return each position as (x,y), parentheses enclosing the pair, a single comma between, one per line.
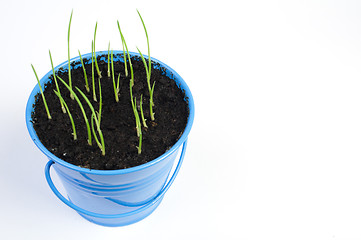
(98,215)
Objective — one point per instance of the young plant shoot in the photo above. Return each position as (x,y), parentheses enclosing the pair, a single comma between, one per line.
(85,76)
(42,94)
(138,125)
(151,89)
(81,108)
(100,143)
(69,114)
(146,34)
(130,62)
(148,70)
(95,55)
(93,78)
(56,83)
(69,69)
(141,112)
(124,55)
(100,103)
(115,86)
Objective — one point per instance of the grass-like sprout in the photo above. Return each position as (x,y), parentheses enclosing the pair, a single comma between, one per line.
(42,94)
(69,70)
(81,108)
(100,103)
(148,70)
(146,34)
(85,76)
(138,125)
(95,55)
(93,78)
(115,86)
(69,114)
(56,83)
(108,59)
(130,62)
(151,89)
(135,111)
(141,112)
(124,55)
(100,143)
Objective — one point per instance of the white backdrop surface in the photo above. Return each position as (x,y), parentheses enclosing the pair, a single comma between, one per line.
(274,152)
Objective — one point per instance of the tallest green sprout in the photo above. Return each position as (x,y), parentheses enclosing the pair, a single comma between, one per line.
(69,70)
(148,71)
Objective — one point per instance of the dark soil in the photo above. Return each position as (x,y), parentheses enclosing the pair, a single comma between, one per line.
(118,121)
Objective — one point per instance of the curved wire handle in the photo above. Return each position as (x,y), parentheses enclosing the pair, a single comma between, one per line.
(98,215)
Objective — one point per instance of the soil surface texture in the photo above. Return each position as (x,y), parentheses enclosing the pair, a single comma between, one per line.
(118,123)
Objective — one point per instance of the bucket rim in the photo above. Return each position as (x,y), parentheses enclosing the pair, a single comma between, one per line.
(180,82)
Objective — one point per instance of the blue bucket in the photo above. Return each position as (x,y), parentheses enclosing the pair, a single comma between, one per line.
(114,197)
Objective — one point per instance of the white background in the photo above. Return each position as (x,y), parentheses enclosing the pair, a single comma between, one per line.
(274,152)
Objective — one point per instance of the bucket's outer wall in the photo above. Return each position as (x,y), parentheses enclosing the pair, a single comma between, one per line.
(115,191)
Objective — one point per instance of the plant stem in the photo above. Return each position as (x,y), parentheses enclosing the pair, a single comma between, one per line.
(95,55)
(42,94)
(82,110)
(118,83)
(56,83)
(141,111)
(69,114)
(151,103)
(130,62)
(85,76)
(134,106)
(114,86)
(124,55)
(146,34)
(69,69)
(139,127)
(151,89)
(93,78)
(100,103)
(101,145)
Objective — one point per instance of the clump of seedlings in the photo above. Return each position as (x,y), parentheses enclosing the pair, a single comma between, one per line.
(93,126)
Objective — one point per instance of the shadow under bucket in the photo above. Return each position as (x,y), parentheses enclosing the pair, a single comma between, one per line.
(115,197)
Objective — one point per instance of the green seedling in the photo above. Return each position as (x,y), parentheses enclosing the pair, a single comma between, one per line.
(100,143)
(85,76)
(130,62)
(115,86)
(42,94)
(138,126)
(95,135)
(124,55)
(148,70)
(69,70)
(135,111)
(93,78)
(140,144)
(151,89)
(81,108)
(141,112)
(108,60)
(95,55)
(100,103)
(56,83)
(146,34)
(69,114)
